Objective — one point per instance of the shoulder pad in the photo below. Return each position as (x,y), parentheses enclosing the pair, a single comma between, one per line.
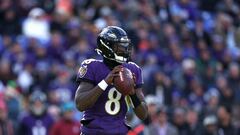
(134,64)
(88,61)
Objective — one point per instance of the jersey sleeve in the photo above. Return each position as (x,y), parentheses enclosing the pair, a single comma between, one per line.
(138,74)
(86,72)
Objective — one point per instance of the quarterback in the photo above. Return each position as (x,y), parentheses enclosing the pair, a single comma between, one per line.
(104,107)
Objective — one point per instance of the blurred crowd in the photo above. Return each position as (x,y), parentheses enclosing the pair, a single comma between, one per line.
(189,51)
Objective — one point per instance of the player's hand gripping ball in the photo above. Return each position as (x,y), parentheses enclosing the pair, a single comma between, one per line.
(124,83)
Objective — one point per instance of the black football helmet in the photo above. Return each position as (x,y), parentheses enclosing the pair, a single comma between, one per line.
(114,44)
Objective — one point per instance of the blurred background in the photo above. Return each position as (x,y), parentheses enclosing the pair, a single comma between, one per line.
(189,51)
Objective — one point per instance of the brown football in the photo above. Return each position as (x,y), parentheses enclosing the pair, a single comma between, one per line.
(124,83)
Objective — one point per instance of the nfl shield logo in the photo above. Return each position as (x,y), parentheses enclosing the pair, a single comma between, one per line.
(82,71)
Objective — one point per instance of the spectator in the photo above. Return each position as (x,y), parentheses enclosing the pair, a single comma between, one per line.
(225,126)
(37,120)
(195,98)
(36,26)
(6,126)
(179,120)
(228,6)
(162,127)
(205,65)
(62,87)
(200,34)
(10,23)
(163,88)
(66,125)
(12,99)
(211,98)
(149,69)
(56,47)
(25,77)
(6,72)
(174,62)
(233,80)
(226,93)
(210,125)
(194,127)
(153,105)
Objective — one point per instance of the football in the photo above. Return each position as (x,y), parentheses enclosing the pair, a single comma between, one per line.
(124,83)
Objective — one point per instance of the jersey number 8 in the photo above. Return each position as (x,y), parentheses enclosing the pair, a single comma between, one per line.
(112,106)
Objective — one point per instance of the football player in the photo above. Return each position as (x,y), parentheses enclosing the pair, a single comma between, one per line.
(103,106)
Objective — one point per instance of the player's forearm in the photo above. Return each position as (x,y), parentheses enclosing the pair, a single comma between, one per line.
(86,99)
(140,107)
(141,111)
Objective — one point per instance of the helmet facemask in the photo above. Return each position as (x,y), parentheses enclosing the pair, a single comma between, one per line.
(122,52)
(116,51)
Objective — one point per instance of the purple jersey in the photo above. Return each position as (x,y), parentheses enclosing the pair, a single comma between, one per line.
(107,115)
(31,125)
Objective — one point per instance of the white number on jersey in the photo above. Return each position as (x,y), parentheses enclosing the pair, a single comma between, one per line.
(39,129)
(112,106)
